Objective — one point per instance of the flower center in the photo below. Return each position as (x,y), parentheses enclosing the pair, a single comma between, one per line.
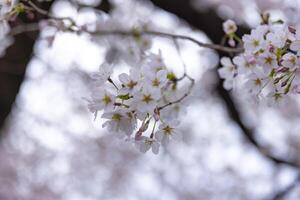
(255,43)
(147,98)
(277,96)
(168,130)
(149,141)
(268,60)
(155,82)
(131,84)
(116,117)
(257,82)
(106,99)
(293,60)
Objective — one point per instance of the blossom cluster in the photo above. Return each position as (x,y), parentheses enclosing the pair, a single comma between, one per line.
(268,65)
(142,105)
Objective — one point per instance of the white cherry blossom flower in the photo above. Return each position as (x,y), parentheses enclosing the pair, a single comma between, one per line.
(157,80)
(131,81)
(102,100)
(229,26)
(295,45)
(120,121)
(167,131)
(245,64)
(146,99)
(268,61)
(227,72)
(275,98)
(145,144)
(256,82)
(255,41)
(290,60)
(102,76)
(278,37)
(154,63)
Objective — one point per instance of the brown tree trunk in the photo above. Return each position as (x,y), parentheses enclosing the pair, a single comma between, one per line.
(13,65)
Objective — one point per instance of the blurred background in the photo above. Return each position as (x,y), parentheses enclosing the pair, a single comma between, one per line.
(51,148)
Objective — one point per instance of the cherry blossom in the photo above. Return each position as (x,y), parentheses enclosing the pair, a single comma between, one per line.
(145,144)
(255,41)
(119,121)
(102,76)
(268,65)
(168,131)
(146,99)
(227,72)
(147,96)
(229,27)
(102,99)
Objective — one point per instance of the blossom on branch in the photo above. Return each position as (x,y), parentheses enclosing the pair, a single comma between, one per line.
(269,65)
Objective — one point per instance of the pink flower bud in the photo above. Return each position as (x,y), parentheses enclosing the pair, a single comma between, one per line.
(271,48)
(282,69)
(292,29)
(156,114)
(231,43)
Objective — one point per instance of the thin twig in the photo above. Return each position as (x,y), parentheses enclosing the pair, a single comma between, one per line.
(122,32)
(169,35)
(281,194)
(46,13)
(181,98)
(34,27)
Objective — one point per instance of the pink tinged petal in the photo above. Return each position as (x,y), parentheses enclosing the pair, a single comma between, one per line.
(176,135)
(124,78)
(246,38)
(155,147)
(225,61)
(295,46)
(174,123)
(156,95)
(223,72)
(231,43)
(162,74)
(159,135)
(144,147)
(165,140)
(138,135)
(106,68)
(228,84)
(297,89)
(95,75)
(105,124)
(107,115)
(156,115)
(238,60)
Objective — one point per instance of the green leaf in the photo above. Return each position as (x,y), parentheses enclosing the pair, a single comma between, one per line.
(124,96)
